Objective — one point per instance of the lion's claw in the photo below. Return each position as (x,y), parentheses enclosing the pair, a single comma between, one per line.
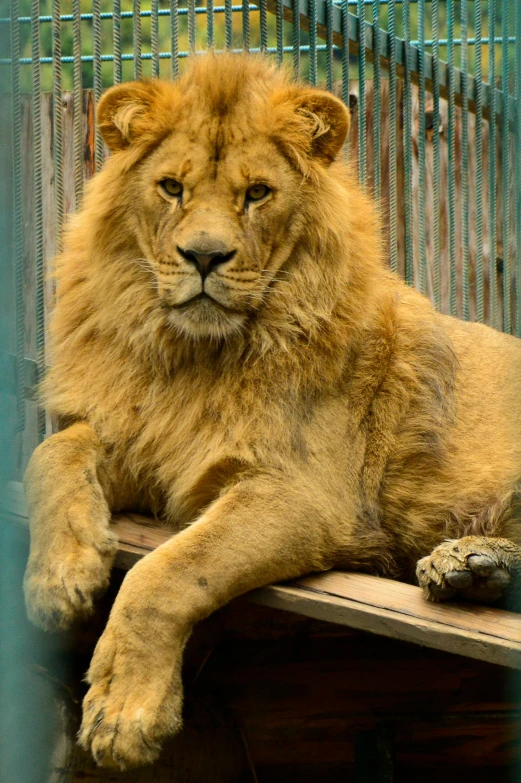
(58,593)
(474,568)
(132,706)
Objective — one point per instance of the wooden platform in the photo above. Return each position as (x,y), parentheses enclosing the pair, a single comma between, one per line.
(380,606)
(292,699)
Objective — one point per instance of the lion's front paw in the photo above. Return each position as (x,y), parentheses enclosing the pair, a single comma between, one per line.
(57,592)
(134,702)
(474,568)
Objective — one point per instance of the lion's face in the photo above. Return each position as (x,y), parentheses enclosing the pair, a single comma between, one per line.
(215,190)
(215,221)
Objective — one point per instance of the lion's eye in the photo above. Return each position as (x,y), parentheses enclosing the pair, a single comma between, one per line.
(171,187)
(257,192)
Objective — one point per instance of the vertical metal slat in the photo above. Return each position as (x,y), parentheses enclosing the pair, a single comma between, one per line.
(393,191)
(376,101)
(492,160)
(116,39)
(137,38)
(174,37)
(209,24)
(312,10)
(518,165)
(407,138)
(505,166)
(38,204)
(362,141)
(464,11)
(452,159)
(264,26)
(154,36)
(421,147)
(18,218)
(280,31)
(329,44)
(57,121)
(191,26)
(96,51)
(478,71)
(228,23)
(436,274)
(345,54)
(78,104)
(246,25)
(296,37)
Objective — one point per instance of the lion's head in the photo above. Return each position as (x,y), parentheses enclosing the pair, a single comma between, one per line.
(217,177)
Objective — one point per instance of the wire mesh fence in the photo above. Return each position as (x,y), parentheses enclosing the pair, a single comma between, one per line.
(435,92)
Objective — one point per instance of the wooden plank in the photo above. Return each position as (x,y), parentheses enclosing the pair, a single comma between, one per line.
(138,535)
(389,622)
(368,603)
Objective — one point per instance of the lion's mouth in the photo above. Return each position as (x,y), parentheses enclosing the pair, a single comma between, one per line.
(203,299)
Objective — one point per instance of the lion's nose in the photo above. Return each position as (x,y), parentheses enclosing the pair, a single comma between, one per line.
(206,258)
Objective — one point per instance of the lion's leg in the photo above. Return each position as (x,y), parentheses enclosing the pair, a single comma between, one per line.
(72,548)
(475,568)
(259,532)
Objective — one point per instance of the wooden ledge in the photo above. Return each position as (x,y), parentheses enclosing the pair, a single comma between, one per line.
(368,603)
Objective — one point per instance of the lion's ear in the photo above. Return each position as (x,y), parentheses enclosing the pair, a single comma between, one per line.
(134,111)
(329,121)
(314,123)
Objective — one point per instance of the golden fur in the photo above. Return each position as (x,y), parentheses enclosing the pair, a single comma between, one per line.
(309,412)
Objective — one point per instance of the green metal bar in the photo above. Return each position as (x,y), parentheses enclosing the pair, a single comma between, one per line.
(96,52)
(505,165)
(393,190)
(280,31)
(329,44)
(137,39)
(116,40)
(362,120)
(421,149)
(209,24)
(312,11)
(407,139)
(296,37)
(106,58)
(191,26)
(464,11)
(377,176)
(57,123)
(78,105)
(492,163)
(154,37)
(264,26)
(452,160)
(345,55)
(246,25)
(228,23)
(18,253)
(518,166)
(174,37)
(38,207)
(436,272)
(480,307)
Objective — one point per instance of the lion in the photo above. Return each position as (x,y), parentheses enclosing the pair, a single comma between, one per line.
(231,353)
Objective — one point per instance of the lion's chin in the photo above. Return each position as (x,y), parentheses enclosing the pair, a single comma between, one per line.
(203,317)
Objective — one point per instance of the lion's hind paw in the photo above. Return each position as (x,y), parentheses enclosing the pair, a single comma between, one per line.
(473,568)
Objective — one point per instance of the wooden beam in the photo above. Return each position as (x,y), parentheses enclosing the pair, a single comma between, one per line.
(369,603)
